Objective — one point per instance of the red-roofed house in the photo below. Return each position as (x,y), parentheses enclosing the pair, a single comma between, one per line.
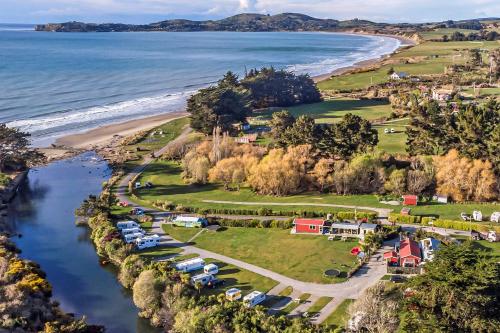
(409,253)
(308,226)
(391,257)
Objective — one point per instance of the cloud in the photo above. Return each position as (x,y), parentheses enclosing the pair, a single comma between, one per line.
(147,10)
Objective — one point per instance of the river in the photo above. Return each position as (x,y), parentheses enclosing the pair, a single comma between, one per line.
(43,213)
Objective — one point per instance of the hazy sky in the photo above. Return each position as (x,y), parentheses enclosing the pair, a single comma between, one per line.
(146,11)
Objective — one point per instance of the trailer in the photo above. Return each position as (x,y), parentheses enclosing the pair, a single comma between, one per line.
(233,294)
(211,269)
(147,241)
(254,298)
(190,265)
(132,231)
(130,238)
(202,278)
(127,225)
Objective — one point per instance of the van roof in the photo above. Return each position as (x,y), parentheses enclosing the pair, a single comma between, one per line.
(252,295)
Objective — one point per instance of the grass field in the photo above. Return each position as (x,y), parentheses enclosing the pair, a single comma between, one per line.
(393,143)
(302,257)
(293,305)
(339,317)
(439,33)
(333,110)
(235,277)
(319,304)
(452,211)
(158,252)
(180,233)
(426,59)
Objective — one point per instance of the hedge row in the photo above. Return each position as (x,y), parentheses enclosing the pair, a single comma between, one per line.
(278,224)
(458,225)
(359,215)
(406,219)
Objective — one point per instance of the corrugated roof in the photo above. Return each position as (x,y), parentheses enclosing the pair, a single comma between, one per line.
(345,225)
(309,222)
(369,226)
(408,248)
(187,219)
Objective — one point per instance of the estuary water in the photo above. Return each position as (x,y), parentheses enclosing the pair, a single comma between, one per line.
(43,213)
(53,84)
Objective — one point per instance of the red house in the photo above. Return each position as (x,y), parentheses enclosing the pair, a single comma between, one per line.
(409,253)
(391,257)
(308,226)
(410,200)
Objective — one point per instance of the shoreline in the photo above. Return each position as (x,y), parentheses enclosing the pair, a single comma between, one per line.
(107,136)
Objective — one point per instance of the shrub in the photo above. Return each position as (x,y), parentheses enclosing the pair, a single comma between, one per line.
(405,219)
(4,179)
(458,225)
(359,215)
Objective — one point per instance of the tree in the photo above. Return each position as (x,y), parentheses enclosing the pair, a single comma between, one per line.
(196,167)
(459,292)
(15,149)
(146,293)
(302,132)
(396,182)
(227,171)
(475,58)
(322,173)
(279,123)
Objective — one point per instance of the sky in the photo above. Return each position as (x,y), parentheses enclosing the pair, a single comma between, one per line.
(147,11)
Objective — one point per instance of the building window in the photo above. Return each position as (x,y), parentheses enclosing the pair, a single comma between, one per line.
(312,227)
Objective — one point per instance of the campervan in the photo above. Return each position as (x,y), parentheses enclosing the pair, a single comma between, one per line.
(190,265)
(130,238)
(233,294)
(493,236)
(147,241)
(203,279)
(477,215)
(254,298)
(132,231)
(211,269)
(127,225)
(495,217)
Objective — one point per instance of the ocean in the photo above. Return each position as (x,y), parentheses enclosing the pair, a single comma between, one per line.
(52,84)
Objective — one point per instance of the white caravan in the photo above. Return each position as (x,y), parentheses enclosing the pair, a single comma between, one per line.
(211,269)
(130,238)
(190,265)
(495,217)
(132,231)
(147,241)
(203,279)
(127,225)
(254,298)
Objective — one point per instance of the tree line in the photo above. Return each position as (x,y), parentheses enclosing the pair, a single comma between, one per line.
(232,100)
(457,36)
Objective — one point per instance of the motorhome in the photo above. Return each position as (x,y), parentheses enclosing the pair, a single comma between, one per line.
(477,215)
(132,231)
(202,278)
(130,238)
(495,217)
(211,269)
(254,298)
(127,225)
(233,294)
(147,241)
(190,265)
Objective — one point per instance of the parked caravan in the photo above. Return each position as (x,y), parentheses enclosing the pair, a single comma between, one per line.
(477,215)
(211,269)
(254,298)
(493,236)
(495,217)
(132,231)
(147,241)
(130,238)
(233,294)
(190,265)
(202,278)
(127,225)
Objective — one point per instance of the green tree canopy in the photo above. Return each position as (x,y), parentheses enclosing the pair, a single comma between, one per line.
(15,149)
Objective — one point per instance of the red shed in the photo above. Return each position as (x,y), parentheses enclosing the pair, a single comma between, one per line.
(309,226)
(410,200)
(409,253)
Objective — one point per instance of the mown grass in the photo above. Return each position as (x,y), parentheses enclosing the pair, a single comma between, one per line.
(393,143)
(333,110)
(181,234)
(158,252)
(286,292)
(293,304)
(302,257)
(319,305)
(439,33)
(339,317)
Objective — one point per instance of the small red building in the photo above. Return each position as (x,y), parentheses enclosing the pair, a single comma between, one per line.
(410,200)
(391,257)
(409,253)
(308,226)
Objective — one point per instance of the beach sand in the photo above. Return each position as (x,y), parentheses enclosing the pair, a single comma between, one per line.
(102,136)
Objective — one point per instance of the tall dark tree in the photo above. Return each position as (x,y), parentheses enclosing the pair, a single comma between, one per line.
(303,131)
(279,123)
(15,149)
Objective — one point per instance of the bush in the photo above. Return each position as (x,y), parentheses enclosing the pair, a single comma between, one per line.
(405,219)
(458,225)
(359,215)
(4,179)
(278,224)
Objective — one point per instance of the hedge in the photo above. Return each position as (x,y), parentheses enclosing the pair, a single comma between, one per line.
(359,215)
(458,225)
(278,224)
(399,218)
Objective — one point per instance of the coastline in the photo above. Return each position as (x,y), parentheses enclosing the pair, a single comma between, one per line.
(109,135)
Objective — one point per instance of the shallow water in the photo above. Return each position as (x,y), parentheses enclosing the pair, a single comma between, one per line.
(43,213)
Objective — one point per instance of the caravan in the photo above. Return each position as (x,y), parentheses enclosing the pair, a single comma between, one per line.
(127,225)
(211,269)
(254,298)
(203,279)
(130,238)
(190,265)
(233,294)
(132,231)
(147,241)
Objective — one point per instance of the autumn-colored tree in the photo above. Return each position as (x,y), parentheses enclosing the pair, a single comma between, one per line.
(228,170)
(396,183)
(463,179)
(322,173)
(195,167)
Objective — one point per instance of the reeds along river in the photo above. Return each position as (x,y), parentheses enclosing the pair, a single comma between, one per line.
(43,213)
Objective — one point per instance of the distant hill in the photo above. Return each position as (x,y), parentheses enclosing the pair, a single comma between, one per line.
(259,22)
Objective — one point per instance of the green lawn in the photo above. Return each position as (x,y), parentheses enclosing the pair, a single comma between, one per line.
(393,143)
(452,211)
(158,252)
(293,305)
(180,233)
(333,110)
(339,317)
(235,277)
(483,92)
(302,257)
(319,304)
(439,33)
(286,292)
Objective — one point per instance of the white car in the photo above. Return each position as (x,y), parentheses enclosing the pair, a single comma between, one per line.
(386,131)
(392,130)
(464,216)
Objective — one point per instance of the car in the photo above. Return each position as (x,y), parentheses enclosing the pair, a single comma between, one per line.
(214,283)
(137,211)
(386,131)
(465,217)
(123,204)
(392,130)
(397,279)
